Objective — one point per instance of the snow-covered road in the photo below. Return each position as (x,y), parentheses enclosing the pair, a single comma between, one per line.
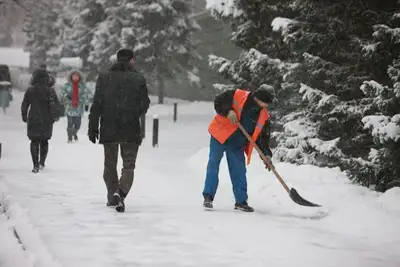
(61,217)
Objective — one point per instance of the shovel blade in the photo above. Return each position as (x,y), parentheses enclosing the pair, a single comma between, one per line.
(299,200)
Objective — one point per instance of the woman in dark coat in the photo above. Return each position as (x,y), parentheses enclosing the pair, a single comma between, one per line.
(40,109)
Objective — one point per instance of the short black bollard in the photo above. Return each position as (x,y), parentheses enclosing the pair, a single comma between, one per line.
(0,150)
(143,126)
(175,111)
(155,131)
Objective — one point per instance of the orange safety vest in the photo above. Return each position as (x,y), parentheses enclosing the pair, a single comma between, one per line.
(221,128)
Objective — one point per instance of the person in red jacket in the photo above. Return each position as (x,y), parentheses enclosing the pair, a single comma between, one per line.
(250,109)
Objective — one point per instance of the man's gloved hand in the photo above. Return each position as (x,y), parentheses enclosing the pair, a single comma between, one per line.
(232,117)
(93,137)
(269,161)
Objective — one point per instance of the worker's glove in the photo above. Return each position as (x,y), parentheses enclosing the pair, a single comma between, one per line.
(269,161)
(232,117)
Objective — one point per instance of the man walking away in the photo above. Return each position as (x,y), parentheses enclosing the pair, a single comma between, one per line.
(120,99)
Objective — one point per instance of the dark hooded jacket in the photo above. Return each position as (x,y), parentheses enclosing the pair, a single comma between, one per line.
(40,107)
(120,99)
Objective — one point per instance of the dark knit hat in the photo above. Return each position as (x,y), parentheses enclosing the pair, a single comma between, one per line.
(265,93)
(40,76)
(124,54)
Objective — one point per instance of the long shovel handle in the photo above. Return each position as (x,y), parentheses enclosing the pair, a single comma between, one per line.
(264,158)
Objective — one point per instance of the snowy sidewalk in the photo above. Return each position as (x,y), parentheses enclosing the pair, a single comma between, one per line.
(164,223)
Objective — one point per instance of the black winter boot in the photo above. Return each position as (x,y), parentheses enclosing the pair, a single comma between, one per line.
(44,149)
(243,207)
(120,197)
(35,155)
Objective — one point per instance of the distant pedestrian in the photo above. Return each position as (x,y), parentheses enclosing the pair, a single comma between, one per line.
(5,87)
(120,99)
(75,98)
(40,109)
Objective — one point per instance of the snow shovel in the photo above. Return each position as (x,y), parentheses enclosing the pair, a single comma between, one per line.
(292,192)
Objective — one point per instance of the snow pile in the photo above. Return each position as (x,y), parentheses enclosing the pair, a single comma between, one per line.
(71,62)
(390,200)
(35,253)
(184,108)
(14,57)
(11,251)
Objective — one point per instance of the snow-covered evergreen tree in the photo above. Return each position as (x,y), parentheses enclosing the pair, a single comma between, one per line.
(106,36)
(267,58)
(80,33)
(160,33)
(40,30)
(338,55)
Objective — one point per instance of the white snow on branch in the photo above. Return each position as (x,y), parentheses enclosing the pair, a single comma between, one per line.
(155,7)
(369,48)
(371,88)
(224,8)
(193,78)
(383,127)
(380,30)
(280,24)
(221,63)
(300,127)
(314,95)
(328,148)
(256,57)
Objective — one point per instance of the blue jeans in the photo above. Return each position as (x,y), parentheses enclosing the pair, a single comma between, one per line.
(237,170)
(74,123)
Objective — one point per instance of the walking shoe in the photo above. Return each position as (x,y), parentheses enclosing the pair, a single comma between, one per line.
(120,206)
(243,207)
(208,202)
(35,169)
(41,166)
(114,200)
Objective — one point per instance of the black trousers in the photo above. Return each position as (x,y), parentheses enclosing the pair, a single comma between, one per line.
(129,153)
(39,151)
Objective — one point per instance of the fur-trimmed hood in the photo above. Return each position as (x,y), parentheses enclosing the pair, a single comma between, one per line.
(82,77)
